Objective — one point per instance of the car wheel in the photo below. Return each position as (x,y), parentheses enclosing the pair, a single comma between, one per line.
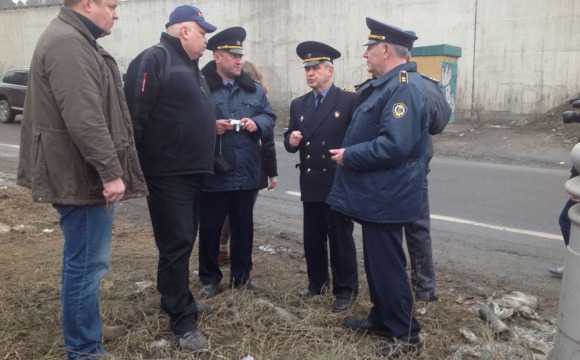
(6,114)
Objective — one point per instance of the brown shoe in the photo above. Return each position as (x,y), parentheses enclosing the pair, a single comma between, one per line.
(224,258)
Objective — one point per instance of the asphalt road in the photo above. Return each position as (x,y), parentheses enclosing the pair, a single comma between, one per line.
(494,226)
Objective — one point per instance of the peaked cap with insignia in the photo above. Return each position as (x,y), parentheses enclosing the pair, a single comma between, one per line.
(388,33)
(314,52)
(229,40)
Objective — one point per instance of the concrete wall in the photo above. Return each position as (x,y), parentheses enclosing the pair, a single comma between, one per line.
(520,58)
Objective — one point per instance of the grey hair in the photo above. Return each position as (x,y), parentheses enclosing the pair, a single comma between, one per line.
(327,64)
(401,51)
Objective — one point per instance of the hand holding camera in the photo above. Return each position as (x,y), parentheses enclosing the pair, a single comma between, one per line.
(243,124)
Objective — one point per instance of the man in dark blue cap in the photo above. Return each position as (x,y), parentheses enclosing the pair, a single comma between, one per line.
(318,122)
(380,178)
(174,124)
(244,116)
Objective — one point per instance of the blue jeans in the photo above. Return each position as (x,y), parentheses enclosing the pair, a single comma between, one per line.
(86,256)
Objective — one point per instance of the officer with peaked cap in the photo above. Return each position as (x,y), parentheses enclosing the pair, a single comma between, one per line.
(318,122)
(244,116)
(380,178)
(229,40)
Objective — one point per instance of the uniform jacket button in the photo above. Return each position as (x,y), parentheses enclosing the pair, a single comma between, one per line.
(308,143)
(308,170)
(307,157)
(324,156)
(323,170)
(324,143)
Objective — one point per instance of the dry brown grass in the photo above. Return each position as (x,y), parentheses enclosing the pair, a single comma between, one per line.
(30,303)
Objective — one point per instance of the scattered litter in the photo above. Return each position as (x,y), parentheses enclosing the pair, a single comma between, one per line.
(500,329)
(249,357)
(272,249)
(142,286)
(23,229)
(422,311)
(467,300)
(282,313)
(468,334)
(4,188)
(159,344)
(5,229)
(521,303)
(562,162)
(48,231)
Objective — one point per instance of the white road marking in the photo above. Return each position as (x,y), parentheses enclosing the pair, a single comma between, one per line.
(496,227)
(293,193)
(475,223)
(10,145)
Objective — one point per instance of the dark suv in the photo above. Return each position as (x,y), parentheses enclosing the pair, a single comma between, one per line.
(12,92)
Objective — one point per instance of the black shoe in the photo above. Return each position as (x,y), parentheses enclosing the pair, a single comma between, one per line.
(192,341)
(204,309)
(251,285)
(342,304)
(365,326)
(209,290)
(557,272)
(307,293)
(403,345)
(427,297)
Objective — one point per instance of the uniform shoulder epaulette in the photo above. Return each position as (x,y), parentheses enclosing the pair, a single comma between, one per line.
(349,89)
(403,77)
(429,78)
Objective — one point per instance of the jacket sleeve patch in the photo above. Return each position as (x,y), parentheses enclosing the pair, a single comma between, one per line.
(399,110)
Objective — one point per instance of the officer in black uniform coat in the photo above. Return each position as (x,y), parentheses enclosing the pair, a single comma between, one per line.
(318,122)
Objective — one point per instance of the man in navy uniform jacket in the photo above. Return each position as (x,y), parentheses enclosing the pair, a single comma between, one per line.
(380,178)
(318,122)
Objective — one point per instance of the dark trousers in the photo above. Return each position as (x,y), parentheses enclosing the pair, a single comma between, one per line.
(174,208)
(320,224)
(238,206)
(418,238)
(565,223)
(389,288)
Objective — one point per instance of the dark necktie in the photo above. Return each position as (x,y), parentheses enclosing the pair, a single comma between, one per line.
(229,86)
(318,101)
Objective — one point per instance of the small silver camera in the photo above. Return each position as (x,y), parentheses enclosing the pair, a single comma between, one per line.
(236,124)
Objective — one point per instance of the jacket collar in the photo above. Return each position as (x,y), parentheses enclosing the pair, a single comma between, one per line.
(96,31)
(68,16)
(409,67)
(214,80)
(175,43)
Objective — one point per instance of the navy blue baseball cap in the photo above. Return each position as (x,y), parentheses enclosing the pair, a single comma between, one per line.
(388,33)
(229,40)
(314,52)
(186,13)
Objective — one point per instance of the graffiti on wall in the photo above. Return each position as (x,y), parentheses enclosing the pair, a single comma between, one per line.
(449,82)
